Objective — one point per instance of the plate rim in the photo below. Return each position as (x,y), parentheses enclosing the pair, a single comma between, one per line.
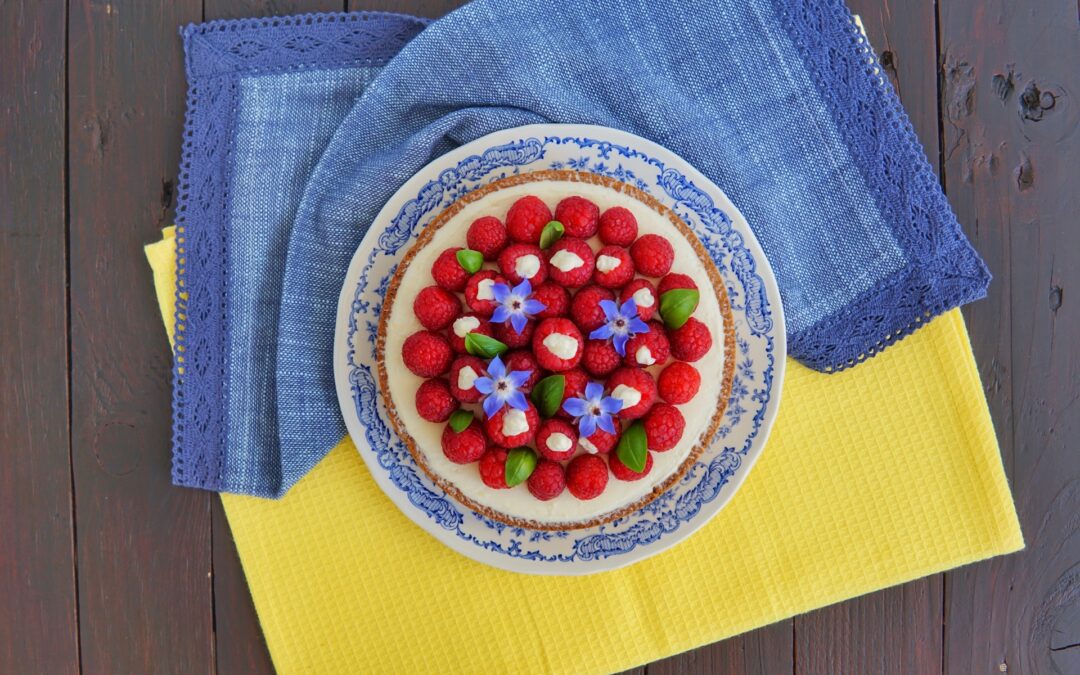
(763,269)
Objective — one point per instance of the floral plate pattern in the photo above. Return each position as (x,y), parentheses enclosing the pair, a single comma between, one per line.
(759,336)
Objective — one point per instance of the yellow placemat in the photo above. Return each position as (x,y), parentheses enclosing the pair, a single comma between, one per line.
(872,477)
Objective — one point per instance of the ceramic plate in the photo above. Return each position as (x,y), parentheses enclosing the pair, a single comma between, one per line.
(759,354)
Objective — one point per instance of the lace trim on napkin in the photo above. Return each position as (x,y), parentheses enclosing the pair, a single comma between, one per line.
(218,54)
(944,271)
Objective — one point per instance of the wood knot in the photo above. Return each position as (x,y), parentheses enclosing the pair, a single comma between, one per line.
(1025,176)
(1035,102)
(1055,298)
(887,59)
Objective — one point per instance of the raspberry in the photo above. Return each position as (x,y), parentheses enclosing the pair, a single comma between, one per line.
(464,446)
(576,256)
(648,349)
(523,359)
(638,380)
(434,402)
(601,441)
(579,216)
(586,476)
(482,306)
(664,427)
(462,386)
(505,333)
(614,277)
(690,342)
(623,472)
(487,235)
(547,480)
(576,379)
(546,338)
(529,258)
(652,255)
(465,324)
(678,383)
(493,469)
(555,298)
(544,440)
(618,227)
(426,354)
(645,296)
(494,426)
(600,358)
(585,308)
(436,307)
(676,280)
(526,219)
(448,272)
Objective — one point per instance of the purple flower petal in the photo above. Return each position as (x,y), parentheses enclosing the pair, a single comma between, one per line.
(610,404)
(484,385)
(492,405)
(533,306)
(629,309)
(638,326)
(575,407)
(500,315)
(611,310)
(517,400)
(620,343)
(587,426)
(593,391)
(500,292)
(518,321)
(523,290)
(605,423)
(602,333)
(518,378)
(496,369)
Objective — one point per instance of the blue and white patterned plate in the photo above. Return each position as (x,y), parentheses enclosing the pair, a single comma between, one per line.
(759,335)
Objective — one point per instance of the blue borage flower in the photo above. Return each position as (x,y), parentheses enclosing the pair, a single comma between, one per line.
(594,410)
(502,387)
(622,323)
(515,304)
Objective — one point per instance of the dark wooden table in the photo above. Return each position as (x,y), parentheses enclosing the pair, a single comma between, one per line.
(106,568)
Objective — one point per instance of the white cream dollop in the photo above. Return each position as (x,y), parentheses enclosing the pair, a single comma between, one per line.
(514,422)
(559,442)
(587,445)
(464,325)
(527,266)
(643,297)
(565,261)
(483,289)
(606,263)
(561,345)
(644,356)
(629,396)
(466,377)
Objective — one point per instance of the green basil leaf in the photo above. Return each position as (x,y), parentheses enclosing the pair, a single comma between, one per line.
(677,305)
(460,420)
(520,463)
(547,394)
(633,447)
(470,260)
(551,233)
(483,346)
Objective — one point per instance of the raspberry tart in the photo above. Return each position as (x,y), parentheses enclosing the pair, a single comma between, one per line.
(556,350)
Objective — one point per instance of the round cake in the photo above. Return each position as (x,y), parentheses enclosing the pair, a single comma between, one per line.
(556,349)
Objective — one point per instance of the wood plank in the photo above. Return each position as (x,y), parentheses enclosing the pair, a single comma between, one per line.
(765,651)
(144,556)
(1012,149)
(38,622)
(429,8)
(242,9)
(897,629)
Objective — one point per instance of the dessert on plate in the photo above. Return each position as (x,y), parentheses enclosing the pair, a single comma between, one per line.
(556,349)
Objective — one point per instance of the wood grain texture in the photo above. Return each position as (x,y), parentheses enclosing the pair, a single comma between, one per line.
(432,9)
(144,557)
(765,651)
(38,631)
(1010,81)
(897,629)
(242,9)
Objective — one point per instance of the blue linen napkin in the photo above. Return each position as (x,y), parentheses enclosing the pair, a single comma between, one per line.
(300,129)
